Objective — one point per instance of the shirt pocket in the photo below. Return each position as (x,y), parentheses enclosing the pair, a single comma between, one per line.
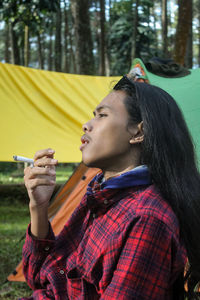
(78,286)
(74,283)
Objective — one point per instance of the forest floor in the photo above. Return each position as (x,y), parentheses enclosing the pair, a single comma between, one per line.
(14,218)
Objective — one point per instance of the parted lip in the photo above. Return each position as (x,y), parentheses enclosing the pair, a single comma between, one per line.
(85,139)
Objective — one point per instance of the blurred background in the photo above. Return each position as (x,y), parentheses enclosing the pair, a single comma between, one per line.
(98,37)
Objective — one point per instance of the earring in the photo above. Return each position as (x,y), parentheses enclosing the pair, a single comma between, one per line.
(138,139)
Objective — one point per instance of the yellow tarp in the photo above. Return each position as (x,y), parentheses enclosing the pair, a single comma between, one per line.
(41,109)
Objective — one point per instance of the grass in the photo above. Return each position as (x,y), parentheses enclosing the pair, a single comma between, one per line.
(13,173)
(14,218)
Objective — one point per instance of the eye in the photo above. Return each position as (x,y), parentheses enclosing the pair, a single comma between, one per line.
(102,115)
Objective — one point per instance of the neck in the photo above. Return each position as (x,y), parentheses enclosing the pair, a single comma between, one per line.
(108,174)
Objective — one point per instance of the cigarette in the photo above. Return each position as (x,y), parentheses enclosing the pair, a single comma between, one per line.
(23,159)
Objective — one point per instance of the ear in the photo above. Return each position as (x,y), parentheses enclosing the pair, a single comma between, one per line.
(139,135)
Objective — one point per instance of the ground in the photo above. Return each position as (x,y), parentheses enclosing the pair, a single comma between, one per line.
(14,218)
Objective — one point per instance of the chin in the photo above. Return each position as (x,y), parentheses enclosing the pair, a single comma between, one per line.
(90,163)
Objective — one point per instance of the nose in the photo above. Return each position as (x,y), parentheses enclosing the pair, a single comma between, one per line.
(87,126)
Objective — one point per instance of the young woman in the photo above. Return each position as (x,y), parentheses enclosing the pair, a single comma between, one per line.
(138,223)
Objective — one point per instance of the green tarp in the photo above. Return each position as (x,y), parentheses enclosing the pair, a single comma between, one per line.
(186,92)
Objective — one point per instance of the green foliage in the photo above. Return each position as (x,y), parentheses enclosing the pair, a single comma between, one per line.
(122,31)
(39,15)
(26,11)
(120,45)
(120,35)
(14,217)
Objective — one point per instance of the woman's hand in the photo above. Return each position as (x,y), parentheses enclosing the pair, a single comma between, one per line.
(40,180)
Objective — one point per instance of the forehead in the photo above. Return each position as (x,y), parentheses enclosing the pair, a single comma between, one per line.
(113,101)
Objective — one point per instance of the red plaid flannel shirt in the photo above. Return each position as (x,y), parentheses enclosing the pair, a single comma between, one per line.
(118,244)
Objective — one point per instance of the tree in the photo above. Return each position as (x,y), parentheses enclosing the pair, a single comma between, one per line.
(58,47)
(135,31)
(196,30)
(97,36)
(164,27)
(40,51)
(66,39)
(50,44)
(120,37)
(7,42)
(15,56)
(102,24)
(83,38)
(28,14)
(26,46)
(155,22)
(189,48)
(183,29)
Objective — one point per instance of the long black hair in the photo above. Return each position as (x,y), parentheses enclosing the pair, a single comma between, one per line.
(168,151)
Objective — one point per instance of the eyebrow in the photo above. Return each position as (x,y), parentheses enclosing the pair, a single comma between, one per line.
(99,108)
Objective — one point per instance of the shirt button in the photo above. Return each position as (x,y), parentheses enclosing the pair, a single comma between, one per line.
(46,248)
(93,215)
(62,272)
(105,201)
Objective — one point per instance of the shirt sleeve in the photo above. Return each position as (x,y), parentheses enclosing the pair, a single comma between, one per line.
(144,265)
(34,254)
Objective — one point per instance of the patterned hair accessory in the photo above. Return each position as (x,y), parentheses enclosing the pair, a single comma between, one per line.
(137,74)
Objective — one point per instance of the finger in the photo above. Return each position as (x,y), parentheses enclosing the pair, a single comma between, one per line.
(36,171)
(52,167)
(45,161)
(45,152)
(29,169)
(30,176)
(33,183)
(50,176)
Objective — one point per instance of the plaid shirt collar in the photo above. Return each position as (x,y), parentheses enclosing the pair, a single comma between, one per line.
(102,194)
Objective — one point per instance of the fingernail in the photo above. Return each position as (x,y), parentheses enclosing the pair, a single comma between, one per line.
(51,151)
(54,160)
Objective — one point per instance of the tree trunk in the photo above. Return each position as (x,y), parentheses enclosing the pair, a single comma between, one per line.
(74,10)
(148,22)
(182,31)
(110,6)
(102,25)
(50,51)
(154,15)
(171,38)
(108,54)
(40,52)
(15,56)
(66,35)
(72,55)
(164,28)
(189,49)
(134,52)
(83,38)
(7,44)
(26,46)
(58,46)
(97,39)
